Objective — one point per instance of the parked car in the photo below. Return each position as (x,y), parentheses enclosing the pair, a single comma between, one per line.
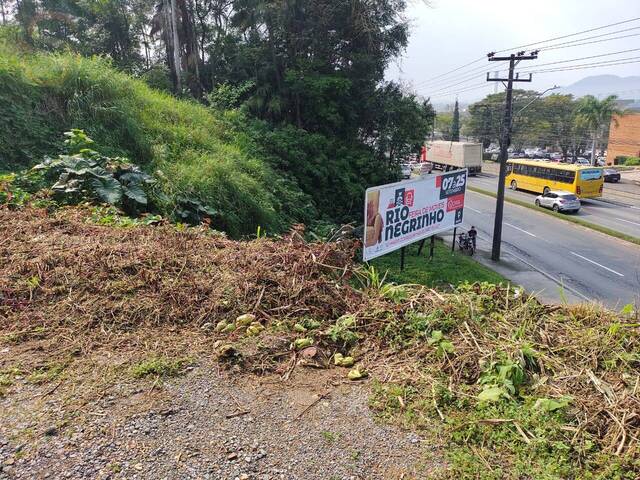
(559,201)
(555,156)
(582,161)
(611,175)
(406,170)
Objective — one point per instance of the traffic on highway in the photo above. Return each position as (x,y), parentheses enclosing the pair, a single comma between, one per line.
(593,258)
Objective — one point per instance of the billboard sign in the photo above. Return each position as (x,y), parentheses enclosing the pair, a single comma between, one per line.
(401,213)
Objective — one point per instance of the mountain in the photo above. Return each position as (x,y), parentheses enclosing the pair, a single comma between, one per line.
(602,85)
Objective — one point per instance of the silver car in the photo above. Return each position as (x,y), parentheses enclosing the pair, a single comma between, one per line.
(405,168)
(559,201)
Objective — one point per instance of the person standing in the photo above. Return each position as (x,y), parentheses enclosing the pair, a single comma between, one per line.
(472,235)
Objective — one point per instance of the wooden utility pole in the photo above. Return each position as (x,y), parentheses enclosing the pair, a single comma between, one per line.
(505,138)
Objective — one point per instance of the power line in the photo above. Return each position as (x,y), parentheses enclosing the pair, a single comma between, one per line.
(559,46)
(578,59)
(458,69)
(570,35)
(532,68)
(585,66)
(476,87)
(423,84)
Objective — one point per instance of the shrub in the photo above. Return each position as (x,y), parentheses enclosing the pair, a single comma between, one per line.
(85,174)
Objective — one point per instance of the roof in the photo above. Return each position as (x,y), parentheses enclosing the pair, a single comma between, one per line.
(542,163)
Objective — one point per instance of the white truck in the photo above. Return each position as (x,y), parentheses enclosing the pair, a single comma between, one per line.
(445,155)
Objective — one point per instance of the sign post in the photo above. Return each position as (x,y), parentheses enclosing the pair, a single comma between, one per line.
(398,214)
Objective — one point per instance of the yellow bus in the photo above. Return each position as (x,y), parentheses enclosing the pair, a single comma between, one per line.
(542,177)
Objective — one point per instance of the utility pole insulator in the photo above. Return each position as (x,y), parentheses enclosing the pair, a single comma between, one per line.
(505,139)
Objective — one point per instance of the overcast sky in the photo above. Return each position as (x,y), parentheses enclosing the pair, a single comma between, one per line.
(449,33)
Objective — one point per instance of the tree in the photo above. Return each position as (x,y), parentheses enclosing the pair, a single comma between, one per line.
(442,125)
(455,124)
(596,115)
(528,126)
(401,125)
(560,111)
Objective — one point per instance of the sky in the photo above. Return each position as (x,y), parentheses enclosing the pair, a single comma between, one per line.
(446,34)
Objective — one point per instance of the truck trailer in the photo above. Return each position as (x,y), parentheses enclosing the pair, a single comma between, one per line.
(446,156)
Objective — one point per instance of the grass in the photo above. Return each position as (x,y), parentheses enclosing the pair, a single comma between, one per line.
(562,216)
(192,150)
(445,269)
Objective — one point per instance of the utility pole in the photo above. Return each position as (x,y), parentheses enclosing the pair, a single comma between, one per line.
(505,140)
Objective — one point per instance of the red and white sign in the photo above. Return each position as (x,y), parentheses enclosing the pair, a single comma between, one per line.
(401,213)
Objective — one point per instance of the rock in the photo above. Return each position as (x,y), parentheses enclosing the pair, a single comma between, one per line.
(51,431)
(232,456)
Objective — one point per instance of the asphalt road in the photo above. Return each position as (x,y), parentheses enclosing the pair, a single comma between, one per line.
(556,259)
(622,217)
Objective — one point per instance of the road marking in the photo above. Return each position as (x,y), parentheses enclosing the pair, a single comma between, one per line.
(596,263)
(628,221)
(560,283)
(523,231)
(474,210)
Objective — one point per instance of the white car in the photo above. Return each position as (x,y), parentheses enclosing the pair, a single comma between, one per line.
(582,161)
(406,170)
(559,201)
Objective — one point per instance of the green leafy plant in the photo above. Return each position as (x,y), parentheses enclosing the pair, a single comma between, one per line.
(86,174)
(442,345)
(501,379)
(342,330)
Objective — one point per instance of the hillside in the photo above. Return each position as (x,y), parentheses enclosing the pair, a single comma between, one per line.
(151,350)
(195,150)
(598,85)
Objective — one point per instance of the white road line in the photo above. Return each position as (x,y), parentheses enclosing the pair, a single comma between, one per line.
(523,231)
(628,221)
(474,210)
(596,263)
(549,276)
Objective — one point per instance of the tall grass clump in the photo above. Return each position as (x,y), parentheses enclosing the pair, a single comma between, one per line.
(187,145)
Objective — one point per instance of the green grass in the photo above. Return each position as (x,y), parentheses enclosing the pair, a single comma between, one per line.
(445,268)
(562,216)
(196,149)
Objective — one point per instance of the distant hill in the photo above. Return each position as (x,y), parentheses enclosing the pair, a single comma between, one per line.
(601,85)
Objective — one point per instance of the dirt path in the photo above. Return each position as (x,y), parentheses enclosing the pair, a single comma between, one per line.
(209,424)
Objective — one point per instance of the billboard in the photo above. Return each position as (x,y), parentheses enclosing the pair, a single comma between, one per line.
(401,213)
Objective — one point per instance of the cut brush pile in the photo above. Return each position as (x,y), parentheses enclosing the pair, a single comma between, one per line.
(512,388)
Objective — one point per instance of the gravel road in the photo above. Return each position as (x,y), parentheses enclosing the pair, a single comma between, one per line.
(210,424)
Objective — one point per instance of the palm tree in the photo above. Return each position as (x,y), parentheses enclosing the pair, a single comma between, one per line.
(597,115)
(174,23)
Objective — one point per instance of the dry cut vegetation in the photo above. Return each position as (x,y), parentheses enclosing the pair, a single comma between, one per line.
(509,387)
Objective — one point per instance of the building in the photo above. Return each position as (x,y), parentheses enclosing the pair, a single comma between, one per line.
(624,139)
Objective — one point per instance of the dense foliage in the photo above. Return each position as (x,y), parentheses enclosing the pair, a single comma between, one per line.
(304,81)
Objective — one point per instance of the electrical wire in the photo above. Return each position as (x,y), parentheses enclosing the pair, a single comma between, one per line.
(586,66)
(550,47)
(576,59)
(560,46)
(570,35)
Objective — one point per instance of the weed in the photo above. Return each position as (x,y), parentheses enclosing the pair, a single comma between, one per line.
(159,366)
(330,437)
(342,331)
(46,373)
